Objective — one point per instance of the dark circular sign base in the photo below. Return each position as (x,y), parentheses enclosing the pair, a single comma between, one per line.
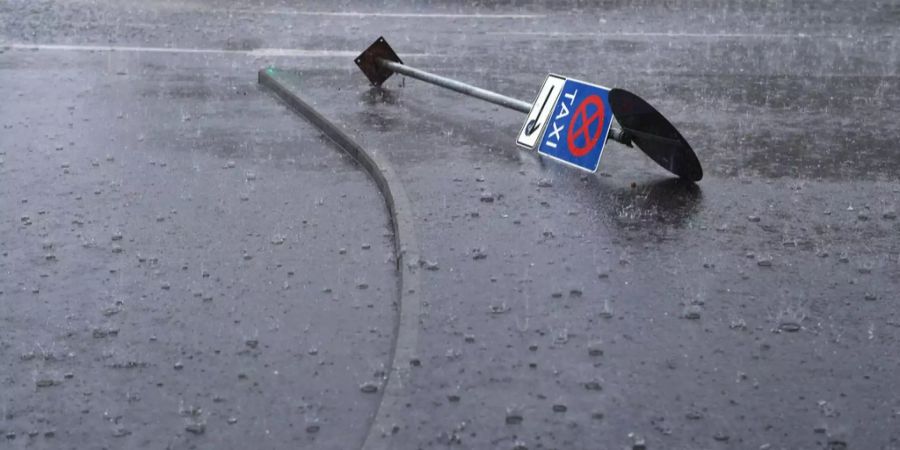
(655,135)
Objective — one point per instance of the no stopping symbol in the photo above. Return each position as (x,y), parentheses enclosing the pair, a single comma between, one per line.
(577,128)
(586,126)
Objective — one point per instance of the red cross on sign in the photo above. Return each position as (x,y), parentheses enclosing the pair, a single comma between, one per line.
(591,127)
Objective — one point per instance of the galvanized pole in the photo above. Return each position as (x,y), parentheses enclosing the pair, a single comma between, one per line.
(514,104)
(458,86)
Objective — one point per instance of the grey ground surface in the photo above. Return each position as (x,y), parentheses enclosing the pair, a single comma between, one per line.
(754,310)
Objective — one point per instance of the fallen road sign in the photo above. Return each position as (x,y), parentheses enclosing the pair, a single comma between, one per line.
(575,129)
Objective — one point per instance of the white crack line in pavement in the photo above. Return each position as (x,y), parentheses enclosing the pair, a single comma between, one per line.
(204,7)
(652,34)
(388,420)
(363,15)
(259,52)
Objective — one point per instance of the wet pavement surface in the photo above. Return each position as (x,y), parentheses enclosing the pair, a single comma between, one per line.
(183,263)
(756,309)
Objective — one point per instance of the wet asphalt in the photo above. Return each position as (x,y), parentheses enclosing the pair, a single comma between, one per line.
(187,264)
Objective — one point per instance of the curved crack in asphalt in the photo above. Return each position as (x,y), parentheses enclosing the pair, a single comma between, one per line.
(387,422)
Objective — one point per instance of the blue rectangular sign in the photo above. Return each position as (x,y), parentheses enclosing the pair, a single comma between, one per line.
(578,125)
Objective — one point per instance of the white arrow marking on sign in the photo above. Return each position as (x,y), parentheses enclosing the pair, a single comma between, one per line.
(541,112)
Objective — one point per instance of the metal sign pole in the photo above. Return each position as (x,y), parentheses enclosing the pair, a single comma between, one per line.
(458,86)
